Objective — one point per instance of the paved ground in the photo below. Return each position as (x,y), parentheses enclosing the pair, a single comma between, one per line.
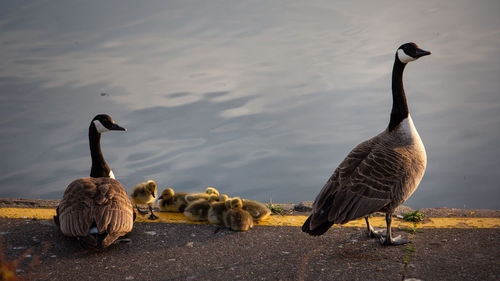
(177,251)
(161,251)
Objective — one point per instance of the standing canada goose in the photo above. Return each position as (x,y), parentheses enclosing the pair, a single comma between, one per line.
(379,174)
(144,193)
(171,201)
(96,210)
(258,210)
(236,218)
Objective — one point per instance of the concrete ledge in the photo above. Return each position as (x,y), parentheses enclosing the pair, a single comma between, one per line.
(279,220)
(301,208)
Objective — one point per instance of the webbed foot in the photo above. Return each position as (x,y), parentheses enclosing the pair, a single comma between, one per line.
(123,240)
(376,233)
(398,240)
(153,217)
(219,228)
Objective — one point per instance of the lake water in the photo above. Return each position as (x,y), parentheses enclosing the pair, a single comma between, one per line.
(261,99)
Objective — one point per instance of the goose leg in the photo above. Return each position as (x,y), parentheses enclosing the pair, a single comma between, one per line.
(140,211)
(373,232)
(152,216)
(389,240)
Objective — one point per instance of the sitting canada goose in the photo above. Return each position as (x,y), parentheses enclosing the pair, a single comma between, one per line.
(236,218)
(96,210)
(216,209)
(198,210)
(379,174)
(171,201)
(258,210)
(145,193)
(205,195)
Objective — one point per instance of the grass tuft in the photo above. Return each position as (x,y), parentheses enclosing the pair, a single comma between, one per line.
(415,216)
(275,209)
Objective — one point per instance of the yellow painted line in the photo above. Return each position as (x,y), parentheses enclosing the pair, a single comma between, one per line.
(276,220)
(168,217)
(380,222)
(26,213)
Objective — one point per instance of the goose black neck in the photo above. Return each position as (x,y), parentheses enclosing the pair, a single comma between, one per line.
(99,167)
(399,105)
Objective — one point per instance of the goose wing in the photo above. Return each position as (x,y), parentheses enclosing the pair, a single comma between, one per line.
(102,201)
(74,210)
(112,210)
(362,184)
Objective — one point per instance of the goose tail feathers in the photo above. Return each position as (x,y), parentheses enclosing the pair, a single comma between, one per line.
(317,231)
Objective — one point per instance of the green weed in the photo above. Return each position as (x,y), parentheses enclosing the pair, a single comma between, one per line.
(415,216)
(275,209)
(409,250)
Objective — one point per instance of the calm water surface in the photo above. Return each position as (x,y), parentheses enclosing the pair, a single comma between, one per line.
(261,99)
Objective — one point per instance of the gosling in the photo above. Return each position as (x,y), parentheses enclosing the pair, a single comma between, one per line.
(216,210)
(198,210)
(236,218)
(257,210)
(205,195)
(145,193)
(171,201)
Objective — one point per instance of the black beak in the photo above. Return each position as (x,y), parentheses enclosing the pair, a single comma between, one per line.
(161,197)
(117,127)
(154,195)
(421,53)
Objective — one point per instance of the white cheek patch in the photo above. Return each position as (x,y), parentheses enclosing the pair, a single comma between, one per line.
(100,127)
(403,57)
(111,175)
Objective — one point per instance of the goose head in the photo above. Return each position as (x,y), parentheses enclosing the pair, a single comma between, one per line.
(100,123)
(167,194)
(151,187)
(104,123)
(236,203)
(213,198)
(223,197)
(211,190)
(409,52)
